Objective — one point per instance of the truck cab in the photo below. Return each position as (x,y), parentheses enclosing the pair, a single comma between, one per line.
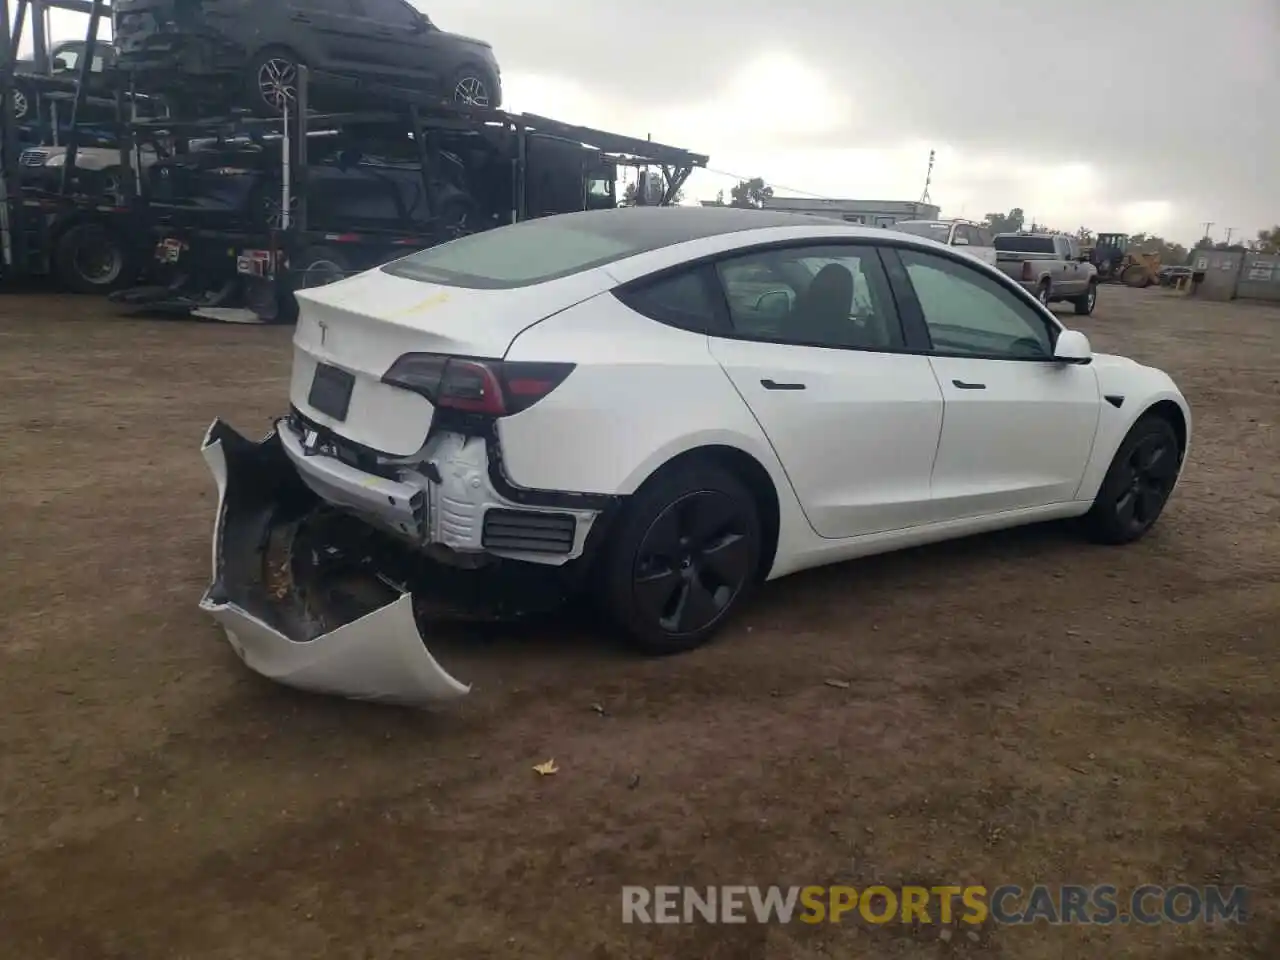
(972,238)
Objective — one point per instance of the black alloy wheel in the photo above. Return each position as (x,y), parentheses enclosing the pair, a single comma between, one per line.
(1138,483)
(1149,474)
(692,562)
(686,554)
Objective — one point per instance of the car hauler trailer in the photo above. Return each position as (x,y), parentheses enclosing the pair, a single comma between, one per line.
(54,218)
(459,170)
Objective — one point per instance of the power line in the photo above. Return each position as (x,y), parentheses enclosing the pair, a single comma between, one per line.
(776,186)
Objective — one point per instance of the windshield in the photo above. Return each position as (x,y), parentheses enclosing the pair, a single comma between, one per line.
(1019,244)
(925,228)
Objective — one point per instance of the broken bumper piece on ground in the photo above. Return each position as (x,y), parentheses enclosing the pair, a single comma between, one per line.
(283,626)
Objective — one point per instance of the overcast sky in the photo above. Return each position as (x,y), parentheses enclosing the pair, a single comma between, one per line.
(1152,115)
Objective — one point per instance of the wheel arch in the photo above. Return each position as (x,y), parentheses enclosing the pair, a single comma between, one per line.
(1167,404)
(754,475)
(1167,409)
(301,55)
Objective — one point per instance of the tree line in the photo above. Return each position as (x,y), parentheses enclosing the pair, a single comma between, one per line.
(754,193)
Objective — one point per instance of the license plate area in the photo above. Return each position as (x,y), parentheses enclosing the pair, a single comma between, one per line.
(331,391)
(255,263)
(169,250)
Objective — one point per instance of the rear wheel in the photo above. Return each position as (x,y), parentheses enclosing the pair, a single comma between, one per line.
(24,103)
(92,258)
(1137,484)
(318,266)
(685,555)
(1085,303)
(1044,293)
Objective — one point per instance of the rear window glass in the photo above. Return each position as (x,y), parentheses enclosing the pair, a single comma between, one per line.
(548,248)
(1025,244)
(515,256)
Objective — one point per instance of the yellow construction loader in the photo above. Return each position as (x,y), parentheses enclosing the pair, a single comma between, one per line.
(1115,263)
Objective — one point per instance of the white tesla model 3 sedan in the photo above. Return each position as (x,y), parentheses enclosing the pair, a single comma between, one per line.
(661,407)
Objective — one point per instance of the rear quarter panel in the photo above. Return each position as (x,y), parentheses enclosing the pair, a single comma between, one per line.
(641,393)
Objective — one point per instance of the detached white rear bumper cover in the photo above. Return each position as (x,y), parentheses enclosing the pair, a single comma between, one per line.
(380,657)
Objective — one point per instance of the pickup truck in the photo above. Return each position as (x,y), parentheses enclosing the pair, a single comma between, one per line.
(971,238)
(1051,266)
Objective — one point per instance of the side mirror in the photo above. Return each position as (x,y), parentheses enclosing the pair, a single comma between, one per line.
(1073,347)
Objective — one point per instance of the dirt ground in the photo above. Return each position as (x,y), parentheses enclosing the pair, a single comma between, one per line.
(1019,708)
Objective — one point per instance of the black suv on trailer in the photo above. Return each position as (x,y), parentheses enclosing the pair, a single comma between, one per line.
(252,47)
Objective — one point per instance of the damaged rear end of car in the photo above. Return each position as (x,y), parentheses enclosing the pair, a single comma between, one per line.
(378,505)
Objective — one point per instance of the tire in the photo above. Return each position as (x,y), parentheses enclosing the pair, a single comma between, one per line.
(1137,484)
(657,559)
(277,66)
(1085,303)
(473,85)
(456,211)
(1136,275)
(318,266)
(1044,293)
(263,207)
(24,103)
(92,258)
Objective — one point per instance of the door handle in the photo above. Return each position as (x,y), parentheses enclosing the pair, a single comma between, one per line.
(774,385)
(969,386)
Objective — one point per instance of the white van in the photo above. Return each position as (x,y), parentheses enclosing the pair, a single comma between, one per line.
(973,238)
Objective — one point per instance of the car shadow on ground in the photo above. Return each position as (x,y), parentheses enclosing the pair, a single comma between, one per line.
(579,631)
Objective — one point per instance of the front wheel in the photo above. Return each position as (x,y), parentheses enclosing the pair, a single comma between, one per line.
(474,86)
(271,82)
(685,555)
(1137,484)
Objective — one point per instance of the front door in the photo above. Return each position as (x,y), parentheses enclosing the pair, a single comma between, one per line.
(817,353)
(336,29)
(1018,427)
(402,43)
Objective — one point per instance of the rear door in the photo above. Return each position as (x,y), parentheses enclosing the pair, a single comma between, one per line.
(814,346)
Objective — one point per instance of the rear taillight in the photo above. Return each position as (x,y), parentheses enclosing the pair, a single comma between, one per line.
(1026,270)
(496,388)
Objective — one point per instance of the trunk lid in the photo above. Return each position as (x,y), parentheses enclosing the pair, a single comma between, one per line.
(363,324)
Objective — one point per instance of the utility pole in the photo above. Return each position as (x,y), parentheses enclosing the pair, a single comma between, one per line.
(1207,225)
(928,179)
(1230,230)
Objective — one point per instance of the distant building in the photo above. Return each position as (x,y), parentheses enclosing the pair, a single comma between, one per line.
(872,213)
